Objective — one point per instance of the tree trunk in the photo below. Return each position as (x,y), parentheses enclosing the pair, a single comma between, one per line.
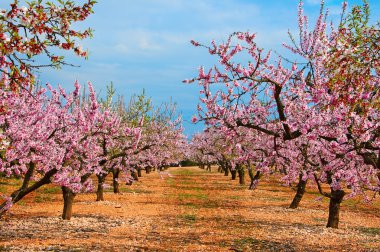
(226,170)
(334,207)
(251,176)
(100,191)
(115,180)
(233,174)
(241,176)
(68,199)
(220,169)
(25,190)
(208,167)
(134,175)
(254,179)
(301,187)
(139,172)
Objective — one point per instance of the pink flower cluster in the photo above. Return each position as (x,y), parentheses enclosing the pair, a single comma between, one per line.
(285,116)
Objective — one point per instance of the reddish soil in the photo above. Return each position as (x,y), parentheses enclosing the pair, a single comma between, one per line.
(193,210)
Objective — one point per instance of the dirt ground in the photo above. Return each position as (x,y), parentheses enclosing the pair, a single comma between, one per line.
(193,210)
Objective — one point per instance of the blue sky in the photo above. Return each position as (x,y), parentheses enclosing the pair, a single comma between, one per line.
(145,43)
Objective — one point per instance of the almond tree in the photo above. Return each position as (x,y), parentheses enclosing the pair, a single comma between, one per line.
(36,29)
(48,140)
(160,140)
(306,132)
(163,142)
(204,147)
(118,142)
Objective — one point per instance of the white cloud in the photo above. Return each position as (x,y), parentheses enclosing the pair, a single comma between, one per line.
(145,43)
(122,48)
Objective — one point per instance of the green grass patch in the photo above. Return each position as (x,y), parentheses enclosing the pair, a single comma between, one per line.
(193,188)
(11,182)
(4,182)
(201,196)
(188,218)
(43,198)
(170,195)
(182,171)
(191,205)
(170,181)
(319,219)
(21,203)
(370,231)
(240,187)
(223,244)
(50,190)
(204,204)
(3,189)
(276,199)
(5,248)
(252,244)
(245,243)
(186,182)
(183,196)
(211,204)
(350,203)
(313,192)
(189,188)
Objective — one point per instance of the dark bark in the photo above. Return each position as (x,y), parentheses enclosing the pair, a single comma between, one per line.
(336,197)
(100,191)
(226,170)
(134,175)
(254,179)
(220,168)
(301,187)
(233,174)
(25,190)
(148,169)
(334,207)
(28,176)
(139,172)
(208,167)
(241,176)
(68,199)
(115,180)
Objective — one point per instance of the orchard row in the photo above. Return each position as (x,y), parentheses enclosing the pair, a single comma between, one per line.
(314,117)
(50,136)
